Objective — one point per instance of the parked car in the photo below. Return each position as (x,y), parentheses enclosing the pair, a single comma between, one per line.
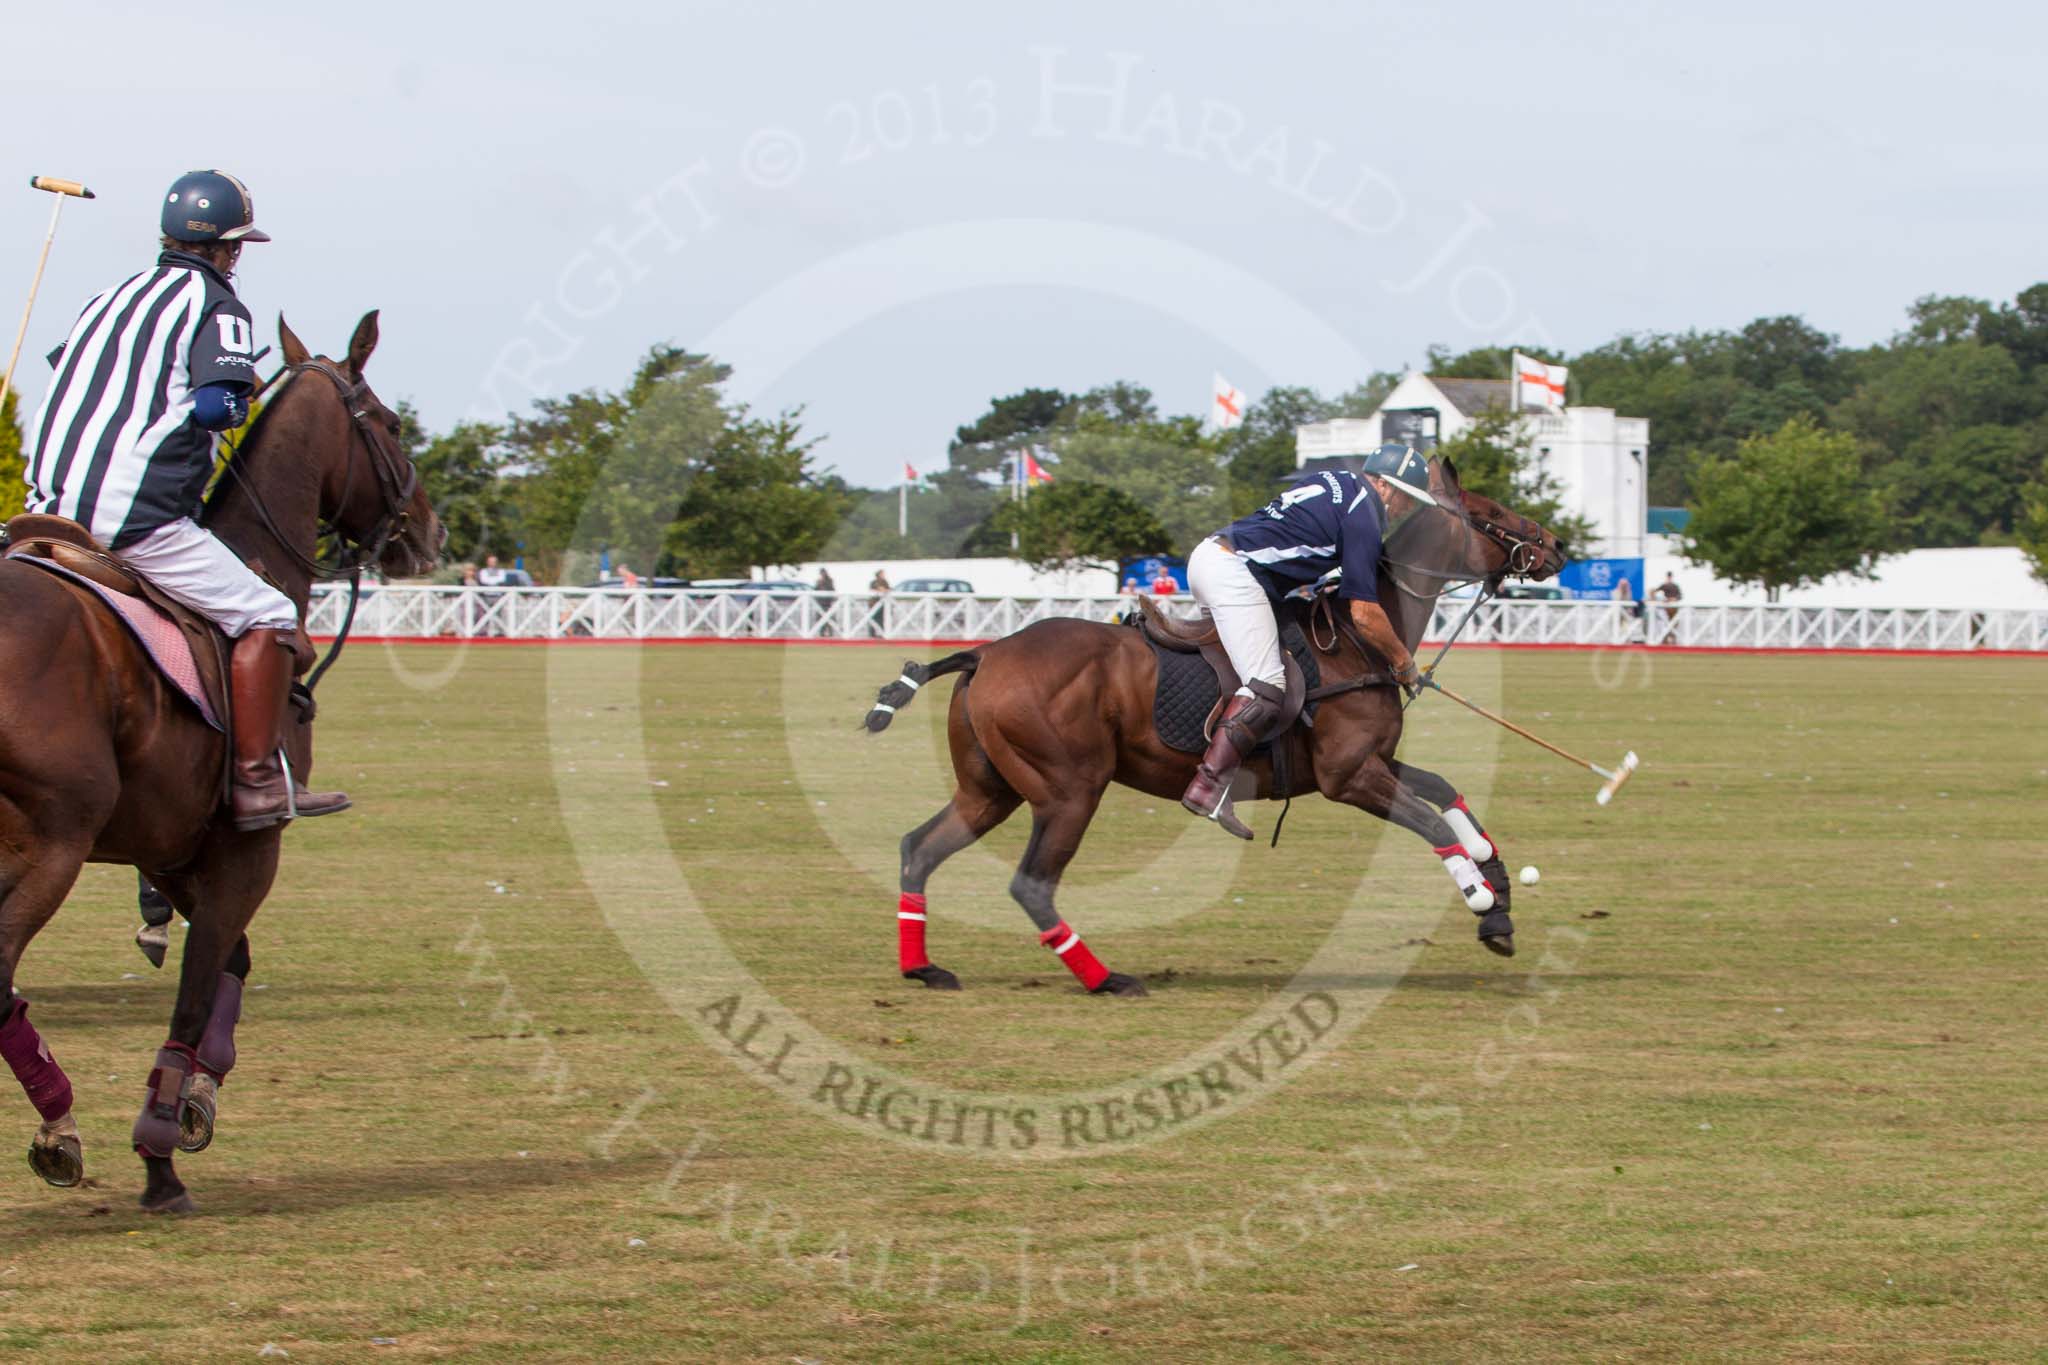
(1540,592)
(512,578)
(958,585)
(745,590)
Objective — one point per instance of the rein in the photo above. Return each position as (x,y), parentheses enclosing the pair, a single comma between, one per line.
(396,490)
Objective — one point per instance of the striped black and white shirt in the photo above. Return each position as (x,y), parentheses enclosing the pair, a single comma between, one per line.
(115,445)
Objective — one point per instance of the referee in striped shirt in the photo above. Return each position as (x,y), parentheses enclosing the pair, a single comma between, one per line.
(124,443)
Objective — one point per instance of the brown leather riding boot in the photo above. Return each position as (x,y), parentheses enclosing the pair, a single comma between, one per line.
(1236,735)
(264,793)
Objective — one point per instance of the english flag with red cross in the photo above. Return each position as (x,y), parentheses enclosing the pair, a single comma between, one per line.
(1226,404)
(1538,384)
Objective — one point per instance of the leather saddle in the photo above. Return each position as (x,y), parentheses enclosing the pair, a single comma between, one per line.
(1198,636)
(69,548)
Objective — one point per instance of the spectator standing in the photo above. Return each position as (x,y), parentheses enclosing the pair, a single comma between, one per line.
(824,588)
(878,585)
(1127,604)
(490,576)
(1163,584)
(1624,609)
(1669,594)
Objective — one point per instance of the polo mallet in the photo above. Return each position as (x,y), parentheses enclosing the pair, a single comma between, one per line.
(1616,776)
(62,189)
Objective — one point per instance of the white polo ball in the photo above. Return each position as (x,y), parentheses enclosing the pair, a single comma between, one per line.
(1530,876)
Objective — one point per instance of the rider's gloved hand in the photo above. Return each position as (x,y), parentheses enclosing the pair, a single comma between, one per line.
(1411,678)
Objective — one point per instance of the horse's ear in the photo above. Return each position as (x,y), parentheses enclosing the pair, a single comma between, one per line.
(362,343)
(295,352)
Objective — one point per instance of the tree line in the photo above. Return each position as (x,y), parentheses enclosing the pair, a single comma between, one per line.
(1799,456)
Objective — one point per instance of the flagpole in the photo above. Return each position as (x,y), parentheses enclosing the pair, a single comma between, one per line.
(903,509)
(1016,490)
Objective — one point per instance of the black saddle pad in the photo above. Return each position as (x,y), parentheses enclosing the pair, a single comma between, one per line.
(1187,690)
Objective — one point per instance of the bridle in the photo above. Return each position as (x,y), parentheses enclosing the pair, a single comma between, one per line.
(1524,552)
(398,479)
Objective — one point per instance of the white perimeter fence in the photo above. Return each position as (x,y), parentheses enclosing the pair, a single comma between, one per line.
(742,614)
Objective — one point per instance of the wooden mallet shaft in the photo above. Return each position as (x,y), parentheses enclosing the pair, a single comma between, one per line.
(62,189)
(1615,776)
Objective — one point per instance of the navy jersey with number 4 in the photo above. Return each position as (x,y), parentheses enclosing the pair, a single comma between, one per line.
(1334,520)
(116,444)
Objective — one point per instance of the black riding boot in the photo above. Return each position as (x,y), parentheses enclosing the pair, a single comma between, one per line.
(1244,720)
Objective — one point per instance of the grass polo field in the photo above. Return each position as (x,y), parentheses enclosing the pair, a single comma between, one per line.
(577,1037)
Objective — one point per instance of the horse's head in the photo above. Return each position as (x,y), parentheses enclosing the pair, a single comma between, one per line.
(370,491)
(1507,544)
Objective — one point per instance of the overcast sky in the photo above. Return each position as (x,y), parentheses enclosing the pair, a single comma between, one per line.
(889,214)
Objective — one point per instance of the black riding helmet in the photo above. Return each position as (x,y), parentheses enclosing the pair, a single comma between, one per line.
(210,206)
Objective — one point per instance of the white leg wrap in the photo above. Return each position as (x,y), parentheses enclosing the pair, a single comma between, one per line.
(1468,834)
(1478,895)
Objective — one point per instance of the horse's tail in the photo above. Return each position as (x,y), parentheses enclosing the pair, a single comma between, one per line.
(915,675)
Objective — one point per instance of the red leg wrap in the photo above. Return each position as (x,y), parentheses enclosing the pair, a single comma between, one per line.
(49,1089)
(910,932)
(1071,950)
(1452,850)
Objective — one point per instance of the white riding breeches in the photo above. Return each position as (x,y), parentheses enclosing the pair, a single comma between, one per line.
(190,564)
(1228,593)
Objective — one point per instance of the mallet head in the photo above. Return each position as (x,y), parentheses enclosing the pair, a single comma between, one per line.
(1623,772)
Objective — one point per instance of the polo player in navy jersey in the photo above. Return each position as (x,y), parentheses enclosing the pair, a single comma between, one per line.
(1333,520)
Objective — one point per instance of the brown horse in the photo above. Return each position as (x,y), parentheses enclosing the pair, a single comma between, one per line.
(1054,713)
(101,760)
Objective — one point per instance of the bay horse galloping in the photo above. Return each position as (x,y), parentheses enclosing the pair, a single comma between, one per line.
(1053,714)
(102,759)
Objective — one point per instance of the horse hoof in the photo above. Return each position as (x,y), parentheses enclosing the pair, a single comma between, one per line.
(154,940)
(196,1112)
(1116,983)
(178,1203)
(934,978)
(62,1165)
(1497,933)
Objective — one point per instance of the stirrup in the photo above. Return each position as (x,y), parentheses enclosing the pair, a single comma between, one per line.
(291,787)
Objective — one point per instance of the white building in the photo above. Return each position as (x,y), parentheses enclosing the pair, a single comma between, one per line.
(1599,459)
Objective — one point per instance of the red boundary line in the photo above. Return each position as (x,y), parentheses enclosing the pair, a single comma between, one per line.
(1635,648)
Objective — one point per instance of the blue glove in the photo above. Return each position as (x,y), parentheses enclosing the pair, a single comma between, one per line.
(219,407)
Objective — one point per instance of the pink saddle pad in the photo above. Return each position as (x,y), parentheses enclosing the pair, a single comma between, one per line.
(159,636)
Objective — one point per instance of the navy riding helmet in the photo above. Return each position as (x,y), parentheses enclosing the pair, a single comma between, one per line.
(210,206)
(1403,467)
